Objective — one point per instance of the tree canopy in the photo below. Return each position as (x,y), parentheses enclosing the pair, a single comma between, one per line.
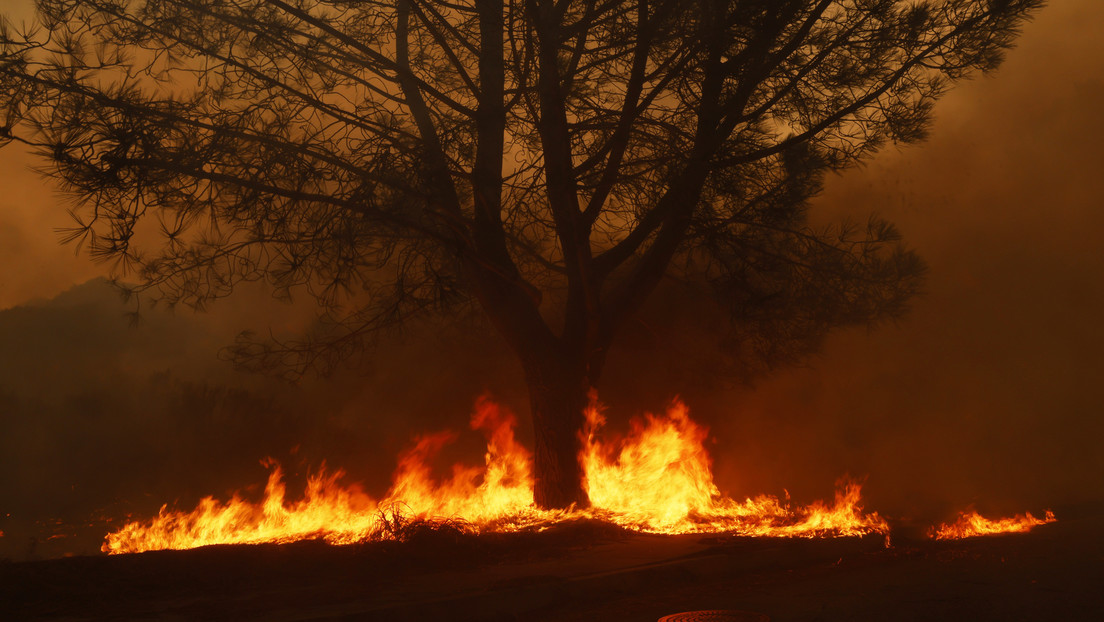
(546,161)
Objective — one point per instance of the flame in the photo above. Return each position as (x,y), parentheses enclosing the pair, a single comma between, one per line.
(657,478)
(970,524)
(339,514)
(661,480)
(501,492)
(343,514)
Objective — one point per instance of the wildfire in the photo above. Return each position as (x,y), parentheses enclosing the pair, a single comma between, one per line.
(660,479)
(970,524)
(657,479)
(497,496)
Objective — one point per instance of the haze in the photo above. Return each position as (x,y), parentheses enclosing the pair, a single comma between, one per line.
(987,393)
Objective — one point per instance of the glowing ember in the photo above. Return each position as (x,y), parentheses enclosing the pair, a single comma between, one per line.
(657,479)
(971,524)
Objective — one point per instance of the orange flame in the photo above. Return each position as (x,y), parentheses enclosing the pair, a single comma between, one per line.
(970,524)
(345,514)
(661,481)
(657,479)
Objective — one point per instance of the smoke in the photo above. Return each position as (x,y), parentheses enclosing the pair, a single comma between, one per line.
(101,420)
(986,394)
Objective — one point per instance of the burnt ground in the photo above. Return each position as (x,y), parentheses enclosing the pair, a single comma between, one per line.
(582,571)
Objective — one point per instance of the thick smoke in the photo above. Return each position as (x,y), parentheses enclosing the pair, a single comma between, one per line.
(100,419)
(987,393)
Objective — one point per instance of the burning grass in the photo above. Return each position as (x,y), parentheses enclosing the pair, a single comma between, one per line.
(971,524)
(657,479)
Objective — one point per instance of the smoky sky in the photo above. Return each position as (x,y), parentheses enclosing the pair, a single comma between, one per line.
(102,419)
(989,392)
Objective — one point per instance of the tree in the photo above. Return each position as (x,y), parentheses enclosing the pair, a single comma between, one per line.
(546,162)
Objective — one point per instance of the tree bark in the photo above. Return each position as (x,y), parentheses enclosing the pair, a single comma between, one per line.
(558,395)
(559,380)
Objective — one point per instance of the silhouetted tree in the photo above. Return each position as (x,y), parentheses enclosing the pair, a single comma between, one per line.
(548,162)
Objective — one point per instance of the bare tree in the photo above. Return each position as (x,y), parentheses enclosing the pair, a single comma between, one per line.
(548,162)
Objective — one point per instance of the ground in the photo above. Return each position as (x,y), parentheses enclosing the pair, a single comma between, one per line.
(583,571)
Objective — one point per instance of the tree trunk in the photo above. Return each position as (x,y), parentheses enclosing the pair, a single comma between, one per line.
(557,399)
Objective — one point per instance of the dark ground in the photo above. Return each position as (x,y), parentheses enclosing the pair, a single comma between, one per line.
(582,571)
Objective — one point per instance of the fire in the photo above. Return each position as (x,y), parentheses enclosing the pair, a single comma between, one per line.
(661,480)
(657,479)
(499,495)
(971,524)
(327,509)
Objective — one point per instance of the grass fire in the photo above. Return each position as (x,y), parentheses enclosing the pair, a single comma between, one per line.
(656,479)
